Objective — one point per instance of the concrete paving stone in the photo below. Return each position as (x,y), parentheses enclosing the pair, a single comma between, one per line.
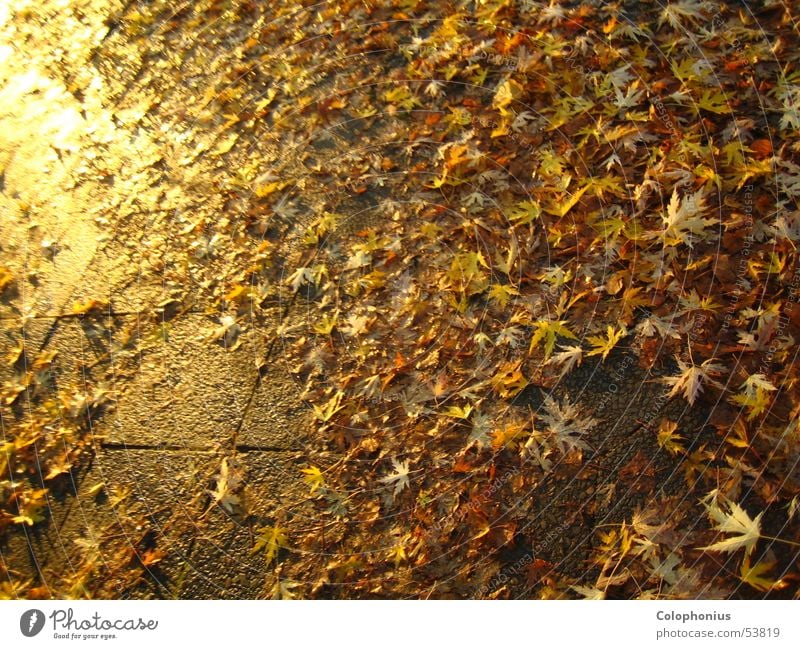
(277,418)
(140,262)
(11,336)
(120,276)
(159,487)
(81,353)
(274,479)
(46,277)
(209,553)
(189,391)
(222,563)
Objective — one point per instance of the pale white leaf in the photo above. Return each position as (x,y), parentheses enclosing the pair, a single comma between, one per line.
(692,378)
(398,479)
(730,518)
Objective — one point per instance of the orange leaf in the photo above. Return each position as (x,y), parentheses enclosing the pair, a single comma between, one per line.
(762,148)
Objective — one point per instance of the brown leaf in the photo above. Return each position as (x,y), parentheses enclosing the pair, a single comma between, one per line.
(637,470)
(539,571)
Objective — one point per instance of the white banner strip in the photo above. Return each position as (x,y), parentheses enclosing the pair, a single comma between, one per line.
(400,625)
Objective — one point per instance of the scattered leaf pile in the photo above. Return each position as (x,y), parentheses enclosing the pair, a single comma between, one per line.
(559,182)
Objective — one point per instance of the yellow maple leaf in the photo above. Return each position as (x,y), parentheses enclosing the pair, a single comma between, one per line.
(89,306)
(755,575)
(401,96)
(466,271)
(459,412)
(604,344)
(506,92)
(668,440)
(271,539)
(501,293)
(262,190)
(397,554)
(226,144)
(525,212)
(506,435)
(327,323)
(560,208)
(631,299)
(754,395)
(756,403)
(313,477)
(33,508)
(509,380)
(715,102)
(547,330)
(324,413)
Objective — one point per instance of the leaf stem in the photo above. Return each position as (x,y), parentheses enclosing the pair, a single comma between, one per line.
(779,540)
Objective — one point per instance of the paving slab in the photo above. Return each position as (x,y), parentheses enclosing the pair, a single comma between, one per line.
(83,515)
(176,385)
(277,417)
(208,552)
(189,391)
(223,563)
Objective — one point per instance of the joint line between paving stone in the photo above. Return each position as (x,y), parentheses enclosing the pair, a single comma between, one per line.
(108,314)
(240,448)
